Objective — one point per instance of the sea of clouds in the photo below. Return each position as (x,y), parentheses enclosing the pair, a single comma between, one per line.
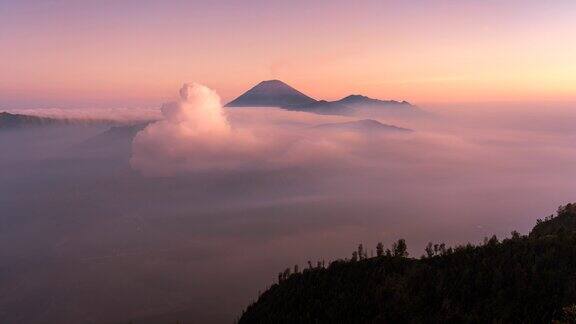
(201,209)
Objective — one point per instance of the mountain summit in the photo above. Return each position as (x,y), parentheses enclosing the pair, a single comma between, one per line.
(359,100)
(271,93)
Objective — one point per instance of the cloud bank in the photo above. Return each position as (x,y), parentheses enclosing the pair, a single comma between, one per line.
(197,135)
(257,189)
(194,135)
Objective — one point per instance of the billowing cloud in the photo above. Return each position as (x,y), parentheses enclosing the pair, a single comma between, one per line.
(197,134)
(194,135)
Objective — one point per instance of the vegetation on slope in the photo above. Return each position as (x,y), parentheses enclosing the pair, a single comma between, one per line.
(529,279)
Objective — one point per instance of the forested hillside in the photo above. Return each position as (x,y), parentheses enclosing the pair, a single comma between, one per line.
(528,279)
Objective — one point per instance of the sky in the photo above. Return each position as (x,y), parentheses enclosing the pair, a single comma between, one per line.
(64,53)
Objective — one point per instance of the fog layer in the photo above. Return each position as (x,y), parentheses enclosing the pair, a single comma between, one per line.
(203,208)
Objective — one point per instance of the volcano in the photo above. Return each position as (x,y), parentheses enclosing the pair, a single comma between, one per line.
(271,93)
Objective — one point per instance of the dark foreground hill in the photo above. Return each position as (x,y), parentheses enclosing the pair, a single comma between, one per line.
(522,279)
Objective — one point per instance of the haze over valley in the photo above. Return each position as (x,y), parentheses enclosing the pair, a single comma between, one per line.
(117,219)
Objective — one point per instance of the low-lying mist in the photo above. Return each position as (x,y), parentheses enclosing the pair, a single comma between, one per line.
(190,216)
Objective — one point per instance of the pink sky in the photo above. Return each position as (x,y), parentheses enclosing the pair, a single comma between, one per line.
(134,53)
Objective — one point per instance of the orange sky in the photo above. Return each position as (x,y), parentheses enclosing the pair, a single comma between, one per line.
(130,53)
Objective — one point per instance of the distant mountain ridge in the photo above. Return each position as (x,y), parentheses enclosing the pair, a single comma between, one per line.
(353,100)
(364,125)
(123,133)
(18,121)
(12,121)
(9,120)
(275,93)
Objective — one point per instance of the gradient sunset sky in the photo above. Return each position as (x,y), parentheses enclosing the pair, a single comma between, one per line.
(74,53)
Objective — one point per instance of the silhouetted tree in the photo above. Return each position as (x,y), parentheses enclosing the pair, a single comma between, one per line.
(429,250)
(354,256)
(493,240)
(360,252)
(379,249)
(442,249)
(568,315)
(400,249)
(524,279)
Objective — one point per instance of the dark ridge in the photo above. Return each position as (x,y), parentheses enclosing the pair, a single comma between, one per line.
(521,279)
(564,223)
(13,121)
(124,133)
(17,121)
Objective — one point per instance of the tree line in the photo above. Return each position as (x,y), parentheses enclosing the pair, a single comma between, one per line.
(520,279)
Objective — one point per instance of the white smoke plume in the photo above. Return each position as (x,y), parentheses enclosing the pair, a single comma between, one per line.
(194,135)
